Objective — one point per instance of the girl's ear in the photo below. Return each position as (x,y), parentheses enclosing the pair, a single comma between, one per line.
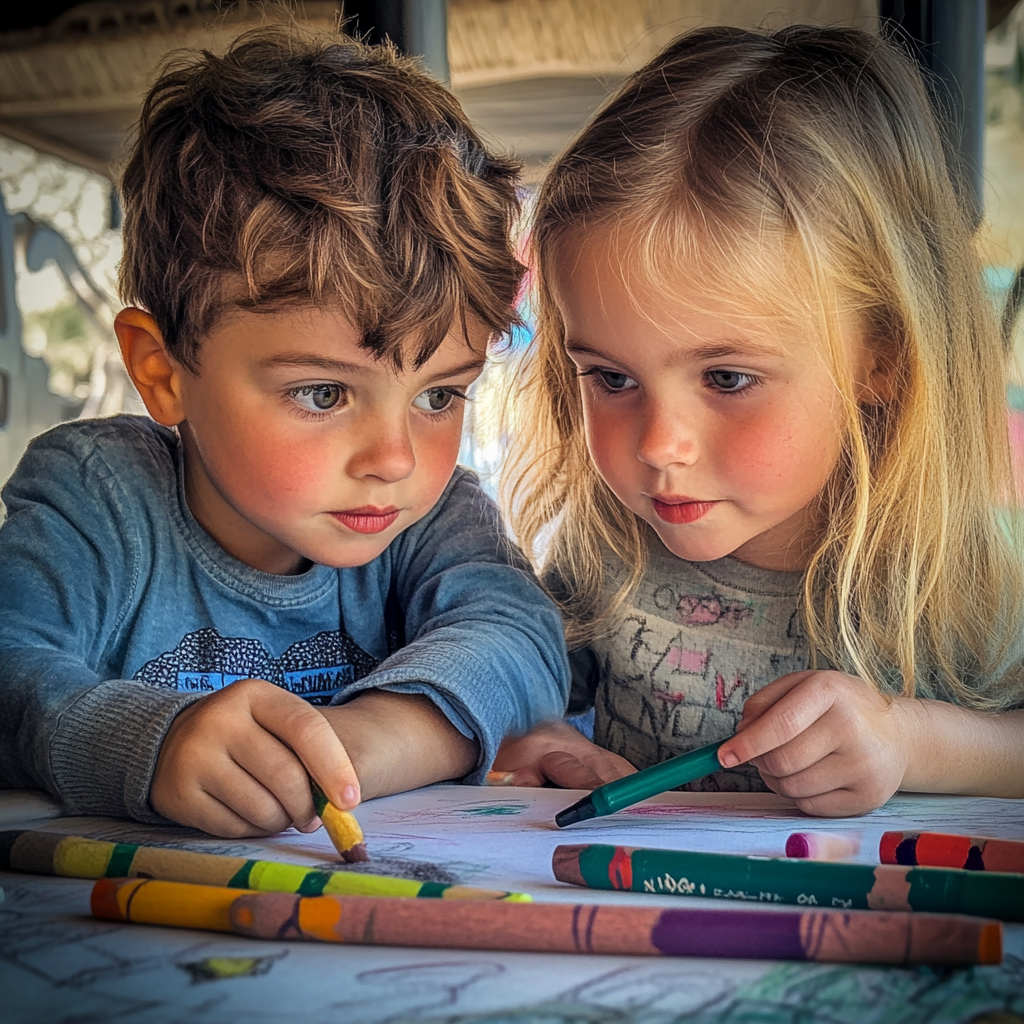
(153,370)
(877,383)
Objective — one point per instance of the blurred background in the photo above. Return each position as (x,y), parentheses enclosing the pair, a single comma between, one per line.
(529,73)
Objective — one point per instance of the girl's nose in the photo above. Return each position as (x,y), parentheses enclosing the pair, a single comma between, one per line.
(666,439)
(384,451)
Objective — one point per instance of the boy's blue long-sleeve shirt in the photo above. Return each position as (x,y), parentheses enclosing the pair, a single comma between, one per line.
(117,610)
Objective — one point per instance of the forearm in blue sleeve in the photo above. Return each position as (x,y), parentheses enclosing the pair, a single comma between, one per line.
(485,643)
(92,745)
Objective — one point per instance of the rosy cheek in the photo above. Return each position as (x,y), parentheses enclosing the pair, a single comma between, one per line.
(790,454)
(605,441)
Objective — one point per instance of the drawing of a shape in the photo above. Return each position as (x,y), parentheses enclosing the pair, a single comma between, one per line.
(220,968)
(410,990)
(687,660)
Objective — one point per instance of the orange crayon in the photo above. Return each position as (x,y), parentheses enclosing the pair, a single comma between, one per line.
(939,850)
(178,904)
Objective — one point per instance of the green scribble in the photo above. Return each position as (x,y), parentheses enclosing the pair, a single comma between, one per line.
(492,810)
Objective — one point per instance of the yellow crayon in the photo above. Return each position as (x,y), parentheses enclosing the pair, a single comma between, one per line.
(341,826)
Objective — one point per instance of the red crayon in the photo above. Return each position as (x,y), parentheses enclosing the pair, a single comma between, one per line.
(825,935)
(938,850)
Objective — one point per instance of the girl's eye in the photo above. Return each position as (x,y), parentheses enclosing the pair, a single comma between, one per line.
(317,397)
(731,381)
(436,399)
(611,380)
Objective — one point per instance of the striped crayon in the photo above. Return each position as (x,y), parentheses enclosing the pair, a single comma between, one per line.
(341,826)
(49,853)
(814,883)
(827,935)
(938,850)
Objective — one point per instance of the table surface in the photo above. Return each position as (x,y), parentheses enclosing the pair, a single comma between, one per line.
(59,964)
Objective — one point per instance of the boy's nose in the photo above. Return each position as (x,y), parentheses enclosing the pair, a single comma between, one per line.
(666,439)
(384,451)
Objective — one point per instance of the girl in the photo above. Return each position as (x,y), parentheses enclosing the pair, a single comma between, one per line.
(762,433)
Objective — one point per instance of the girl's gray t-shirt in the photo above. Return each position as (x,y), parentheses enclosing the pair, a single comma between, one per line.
(674,672)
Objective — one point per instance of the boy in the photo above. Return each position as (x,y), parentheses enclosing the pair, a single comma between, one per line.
(280,575)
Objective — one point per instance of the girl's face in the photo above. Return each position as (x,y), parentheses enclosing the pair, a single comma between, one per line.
(717,424)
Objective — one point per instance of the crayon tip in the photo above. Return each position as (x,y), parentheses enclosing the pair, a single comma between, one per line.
(797,845)
(356,854)
(580,811)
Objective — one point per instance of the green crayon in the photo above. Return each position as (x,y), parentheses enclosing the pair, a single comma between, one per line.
(614,796)
(50,853)
(806,883)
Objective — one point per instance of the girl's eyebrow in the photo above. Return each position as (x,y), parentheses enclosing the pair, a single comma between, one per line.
(712,350)
(720,350)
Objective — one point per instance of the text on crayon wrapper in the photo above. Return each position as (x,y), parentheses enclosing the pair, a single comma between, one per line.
(684,887)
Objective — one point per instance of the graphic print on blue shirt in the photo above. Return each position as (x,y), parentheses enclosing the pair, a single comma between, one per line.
(314,669)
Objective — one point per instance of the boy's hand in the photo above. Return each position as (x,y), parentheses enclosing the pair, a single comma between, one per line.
(827,740)
(556,753)
(237,763)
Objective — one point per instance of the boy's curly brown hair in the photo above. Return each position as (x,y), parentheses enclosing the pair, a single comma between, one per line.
(305,168)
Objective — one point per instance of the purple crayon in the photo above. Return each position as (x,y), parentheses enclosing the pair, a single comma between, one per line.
(827,935)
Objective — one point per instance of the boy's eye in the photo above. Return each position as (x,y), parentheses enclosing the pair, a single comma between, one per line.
(317,397)
(730,380)
(436,399)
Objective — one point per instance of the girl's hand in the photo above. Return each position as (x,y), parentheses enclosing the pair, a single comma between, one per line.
(827,740)
(237,763)
(555,753)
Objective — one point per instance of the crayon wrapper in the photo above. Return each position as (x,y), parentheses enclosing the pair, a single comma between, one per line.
(176,904)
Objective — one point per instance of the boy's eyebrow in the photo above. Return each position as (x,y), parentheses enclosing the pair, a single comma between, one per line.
(311,359)
(477,363)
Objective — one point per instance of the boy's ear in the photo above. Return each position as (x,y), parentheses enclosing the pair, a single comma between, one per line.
(153,370)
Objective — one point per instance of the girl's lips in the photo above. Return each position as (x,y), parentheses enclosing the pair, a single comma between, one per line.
(367,519)
(682,510)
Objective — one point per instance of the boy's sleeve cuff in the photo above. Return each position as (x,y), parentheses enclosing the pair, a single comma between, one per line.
(104,750)
(449,674)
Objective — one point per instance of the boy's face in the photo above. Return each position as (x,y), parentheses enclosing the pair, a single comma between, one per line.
(299,445)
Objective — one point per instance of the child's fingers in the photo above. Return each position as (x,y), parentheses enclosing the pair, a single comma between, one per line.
(276,767)
(801,753)
(758,703)
(789,716)
(825,775)
(214,816)
(307,732)
(568,771)
(248,798)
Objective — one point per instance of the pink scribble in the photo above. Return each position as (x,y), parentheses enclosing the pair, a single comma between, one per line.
(669,698)
(721,696)
(707,609)
(687,660)
(698,610)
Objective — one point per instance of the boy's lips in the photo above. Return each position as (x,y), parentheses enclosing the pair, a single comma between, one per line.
(674,509)
(367,519)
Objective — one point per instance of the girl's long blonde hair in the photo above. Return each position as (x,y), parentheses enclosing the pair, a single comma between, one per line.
(733,154)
